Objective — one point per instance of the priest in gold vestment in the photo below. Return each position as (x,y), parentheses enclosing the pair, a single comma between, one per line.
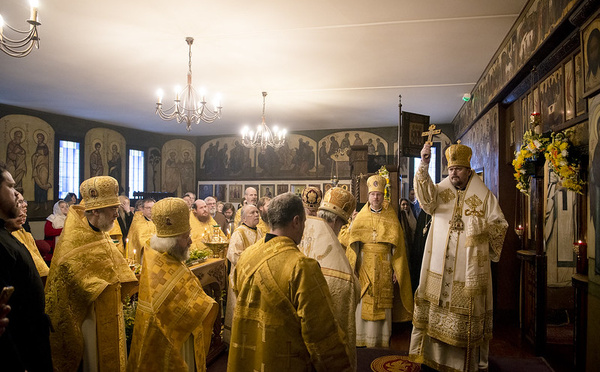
(283,318)
(141,230)
(15,226)
(251,197)
(172,306)
(453,309)
(378,254)
(87,283)
(243,237)
(203,226)
(320,242)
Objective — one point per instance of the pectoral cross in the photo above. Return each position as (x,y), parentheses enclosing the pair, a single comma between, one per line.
(430,133)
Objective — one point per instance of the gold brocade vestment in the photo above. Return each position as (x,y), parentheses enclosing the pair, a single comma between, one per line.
(87,270)
(29,242)
(242,238)
(379,236)
(139,234)
(454,308)
(171,306)
(283,319)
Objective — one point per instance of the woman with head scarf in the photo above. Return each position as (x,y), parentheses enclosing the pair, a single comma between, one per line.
(54,224)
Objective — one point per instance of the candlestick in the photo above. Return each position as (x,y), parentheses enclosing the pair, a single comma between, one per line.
(582,260)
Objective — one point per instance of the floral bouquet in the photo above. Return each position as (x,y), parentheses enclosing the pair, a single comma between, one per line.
(533,146)
(564,161)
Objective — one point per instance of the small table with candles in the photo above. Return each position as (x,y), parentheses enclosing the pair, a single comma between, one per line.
(213,277)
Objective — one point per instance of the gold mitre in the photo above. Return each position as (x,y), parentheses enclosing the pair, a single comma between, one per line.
(99,192)
(376,183)
(171,217)
(459,155)
(311,197)
(340,202)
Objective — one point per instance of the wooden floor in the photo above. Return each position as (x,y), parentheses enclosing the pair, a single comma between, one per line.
(507,342)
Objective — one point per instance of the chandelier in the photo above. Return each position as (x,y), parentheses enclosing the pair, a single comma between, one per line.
(263,136)
(188,108)
(25,41)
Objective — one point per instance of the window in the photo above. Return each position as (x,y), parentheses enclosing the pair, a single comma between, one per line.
(68,168)
(136,171)
(434,165)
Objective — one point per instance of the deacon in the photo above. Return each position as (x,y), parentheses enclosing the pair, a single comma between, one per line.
(296,329)
(202,225)
(378,254)
(243,237)
(453,308)
(15,226)
(24,345)
(321,243)
(140,231)
(89,280)
(173,312)
(250,196)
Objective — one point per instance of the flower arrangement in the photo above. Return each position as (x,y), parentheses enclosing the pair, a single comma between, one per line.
(129,309)
(534,145)
(563,160)
(383,172)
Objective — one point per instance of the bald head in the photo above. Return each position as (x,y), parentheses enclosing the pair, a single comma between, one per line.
(251,195)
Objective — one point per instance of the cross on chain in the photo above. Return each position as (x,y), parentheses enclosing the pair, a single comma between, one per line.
(430,133)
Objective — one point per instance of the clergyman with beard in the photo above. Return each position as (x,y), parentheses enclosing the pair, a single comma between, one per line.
(455,286)
(87,282)
(202,225)
(24,344)
(173,309)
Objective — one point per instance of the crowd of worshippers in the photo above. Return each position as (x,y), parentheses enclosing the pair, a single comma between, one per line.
(311,278)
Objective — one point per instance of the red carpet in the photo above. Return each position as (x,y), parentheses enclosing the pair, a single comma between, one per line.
(394,363)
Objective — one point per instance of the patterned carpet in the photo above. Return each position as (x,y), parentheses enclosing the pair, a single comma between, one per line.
(394,363)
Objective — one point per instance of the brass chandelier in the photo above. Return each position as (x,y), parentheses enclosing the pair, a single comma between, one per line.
(26,40)
(263,136)
(187,106)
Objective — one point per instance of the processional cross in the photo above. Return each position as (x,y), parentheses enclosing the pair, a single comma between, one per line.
(430,133)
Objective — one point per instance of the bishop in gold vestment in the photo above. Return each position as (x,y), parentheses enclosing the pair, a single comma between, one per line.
(140,231)
(320,242)
(172,306)
(453,309)
(87,283)
(283,319)
(377,252)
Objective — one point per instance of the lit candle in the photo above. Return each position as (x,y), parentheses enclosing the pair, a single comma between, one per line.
(1,26)
(34,10)
(160,96)
(582,258)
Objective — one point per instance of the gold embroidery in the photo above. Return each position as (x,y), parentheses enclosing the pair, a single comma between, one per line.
(452,327)
(473,201)
(447,195)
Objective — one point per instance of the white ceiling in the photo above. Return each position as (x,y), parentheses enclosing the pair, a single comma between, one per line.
(324,63)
